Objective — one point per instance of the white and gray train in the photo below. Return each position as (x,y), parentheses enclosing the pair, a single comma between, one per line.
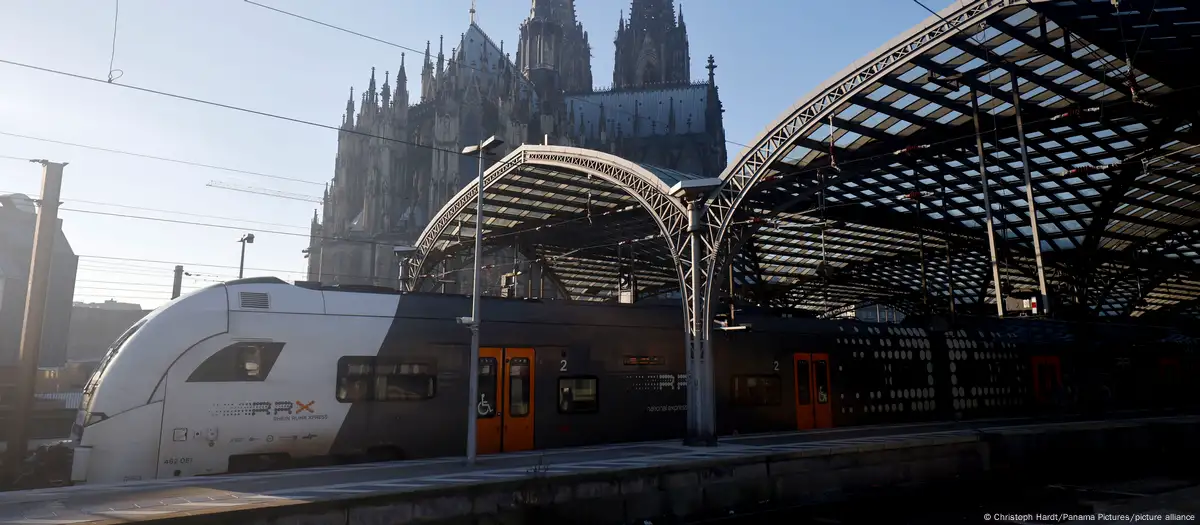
(259,374)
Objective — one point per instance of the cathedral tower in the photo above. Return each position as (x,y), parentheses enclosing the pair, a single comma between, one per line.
(553,51)
(652,46)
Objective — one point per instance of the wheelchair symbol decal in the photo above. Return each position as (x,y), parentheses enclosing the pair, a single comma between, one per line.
(483,408)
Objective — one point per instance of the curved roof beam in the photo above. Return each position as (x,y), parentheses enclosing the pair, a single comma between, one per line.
(754,164)
(648,186)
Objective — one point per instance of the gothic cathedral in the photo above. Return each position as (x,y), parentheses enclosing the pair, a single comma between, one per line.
(383,193)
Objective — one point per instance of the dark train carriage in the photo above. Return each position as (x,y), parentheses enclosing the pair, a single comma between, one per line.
(775,376)
(559,375)
(573,375)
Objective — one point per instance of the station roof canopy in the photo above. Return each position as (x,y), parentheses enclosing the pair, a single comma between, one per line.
(884,156)
(873,185)
(579,213)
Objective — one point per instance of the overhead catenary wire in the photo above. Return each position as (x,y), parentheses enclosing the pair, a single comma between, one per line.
(114,74)
(157,210)
(160,158)
(226,106)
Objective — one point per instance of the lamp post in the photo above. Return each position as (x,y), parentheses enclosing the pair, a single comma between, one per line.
(484,147)
(246,239)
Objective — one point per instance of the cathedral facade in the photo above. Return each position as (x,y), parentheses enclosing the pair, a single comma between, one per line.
(384,192)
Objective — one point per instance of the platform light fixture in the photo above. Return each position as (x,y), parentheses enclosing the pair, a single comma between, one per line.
(246,239)
(484,147)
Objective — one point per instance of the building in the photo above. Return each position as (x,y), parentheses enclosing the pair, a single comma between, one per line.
(18,219)
(93,329)
(383,193)
(109,304)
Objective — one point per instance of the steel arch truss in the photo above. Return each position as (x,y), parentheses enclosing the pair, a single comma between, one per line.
(579,213)
(871,186)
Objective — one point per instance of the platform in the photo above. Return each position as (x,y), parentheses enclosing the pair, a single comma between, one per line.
(447,488)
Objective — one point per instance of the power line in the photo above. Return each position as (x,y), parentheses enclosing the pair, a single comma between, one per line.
(140,208)
(222,266)
(126,283)
(113,57)
(10,157)
(935,13)
(193,223)
(164,159)
(227,106)
(464,66)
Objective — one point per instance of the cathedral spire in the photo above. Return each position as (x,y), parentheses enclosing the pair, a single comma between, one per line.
(472,12)
(712,65)
(441,63)
(401,93)
(387,90)
(427,75)
(349,118)
(370,94)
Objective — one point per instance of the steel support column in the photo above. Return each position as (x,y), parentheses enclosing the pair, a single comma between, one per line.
(987,202)
(701,396)
(1044,304)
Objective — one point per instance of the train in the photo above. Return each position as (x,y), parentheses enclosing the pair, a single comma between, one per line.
(259,374)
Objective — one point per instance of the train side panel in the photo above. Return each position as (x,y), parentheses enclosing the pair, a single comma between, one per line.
(263,395)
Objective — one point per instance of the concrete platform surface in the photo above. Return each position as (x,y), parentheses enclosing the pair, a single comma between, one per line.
(169,498)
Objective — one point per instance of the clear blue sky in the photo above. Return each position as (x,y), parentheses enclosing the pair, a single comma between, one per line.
(769,53)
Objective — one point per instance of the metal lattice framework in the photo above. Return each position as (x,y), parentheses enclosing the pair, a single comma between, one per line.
(570,209)
(889,148)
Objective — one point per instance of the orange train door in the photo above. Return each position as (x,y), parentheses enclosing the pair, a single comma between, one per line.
(813,409)
(505,406)
(1047,377)
(518,396)
(489,430)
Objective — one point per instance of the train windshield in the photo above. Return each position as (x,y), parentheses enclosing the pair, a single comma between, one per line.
(108,357)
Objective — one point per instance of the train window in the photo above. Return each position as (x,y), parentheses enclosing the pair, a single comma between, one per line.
(354,379)
(578,395)
(241,361)
(518,387)
(822,373)
(757,390)
(803,386)
(487,388)
(399,381)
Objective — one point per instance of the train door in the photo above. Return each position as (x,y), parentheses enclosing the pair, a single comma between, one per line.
(489,431)
(1047,377)
(813,409)
(505,406)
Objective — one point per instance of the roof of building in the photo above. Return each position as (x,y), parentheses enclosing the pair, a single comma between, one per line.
(652,108)
(18,216)
(868,190)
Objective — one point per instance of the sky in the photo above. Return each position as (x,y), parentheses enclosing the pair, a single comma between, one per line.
(117,208)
